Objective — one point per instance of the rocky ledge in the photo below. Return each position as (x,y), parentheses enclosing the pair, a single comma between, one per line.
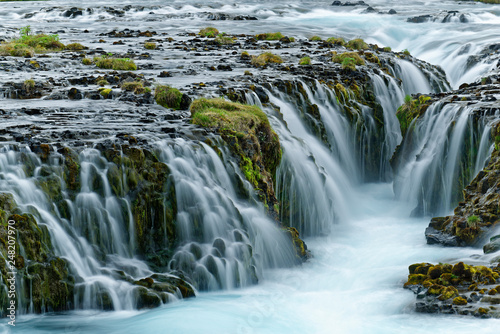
(456,289)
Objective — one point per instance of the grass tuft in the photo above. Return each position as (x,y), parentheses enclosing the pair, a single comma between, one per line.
(305,61)
(266,58)
(223,39)
(357,44)
(135,86)
(209,32)
(336,40)
(270,36)
(150,45)
(118,64)
(168,97)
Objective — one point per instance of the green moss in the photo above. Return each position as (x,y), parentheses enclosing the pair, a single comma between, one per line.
(415,279)
(102,82)
(265,59)
(210,32)
(482,311)
(411,109)
(419,268)
(459,301)
(75,47)
(150,45)
(448,292)
(27,44)
(29,85)
(472,220)
(372,58)
(387,49)
(224,114)
(105,92)
(357,44)
(118,64)
(336,40)
(305,61)
(87,61)
(134,86)
(340,58)
(349,64)
(315,38)
(406,52)
(168,97)
(270,36)
(247,132)
(223,39)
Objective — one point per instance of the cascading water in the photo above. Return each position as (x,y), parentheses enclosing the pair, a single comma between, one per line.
(224,243)
(441,154)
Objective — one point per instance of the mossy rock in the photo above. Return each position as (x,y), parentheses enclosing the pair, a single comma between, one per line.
(459,301)
(300,246)
(170,97)
(250,138)
(412,109)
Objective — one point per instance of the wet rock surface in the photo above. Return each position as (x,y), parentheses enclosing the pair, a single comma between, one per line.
(443,17)
(460,289)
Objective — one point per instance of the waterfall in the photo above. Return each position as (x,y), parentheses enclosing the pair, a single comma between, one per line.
(353,143)
(441,154)
(414,81)
(224,242)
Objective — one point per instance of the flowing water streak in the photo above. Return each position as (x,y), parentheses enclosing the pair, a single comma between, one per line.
(310,183)
(224,242)
(96,222)
(390,96)
(441,154)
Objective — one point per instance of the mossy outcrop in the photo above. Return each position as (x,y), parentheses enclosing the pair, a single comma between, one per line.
(250,138)
(412,109)
(43,278)
(455,289)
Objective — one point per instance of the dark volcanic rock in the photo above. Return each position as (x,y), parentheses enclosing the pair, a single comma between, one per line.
(73,12)
(420,19)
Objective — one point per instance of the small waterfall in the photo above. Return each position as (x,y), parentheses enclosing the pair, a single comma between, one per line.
(414,81)
(224,242)
(346,144)
(442,152)
(88,232)
(390,96)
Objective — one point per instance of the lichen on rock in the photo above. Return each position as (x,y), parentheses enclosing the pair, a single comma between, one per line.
(454,289)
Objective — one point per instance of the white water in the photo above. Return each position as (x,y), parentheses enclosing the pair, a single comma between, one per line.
(352,285)
(433,157)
